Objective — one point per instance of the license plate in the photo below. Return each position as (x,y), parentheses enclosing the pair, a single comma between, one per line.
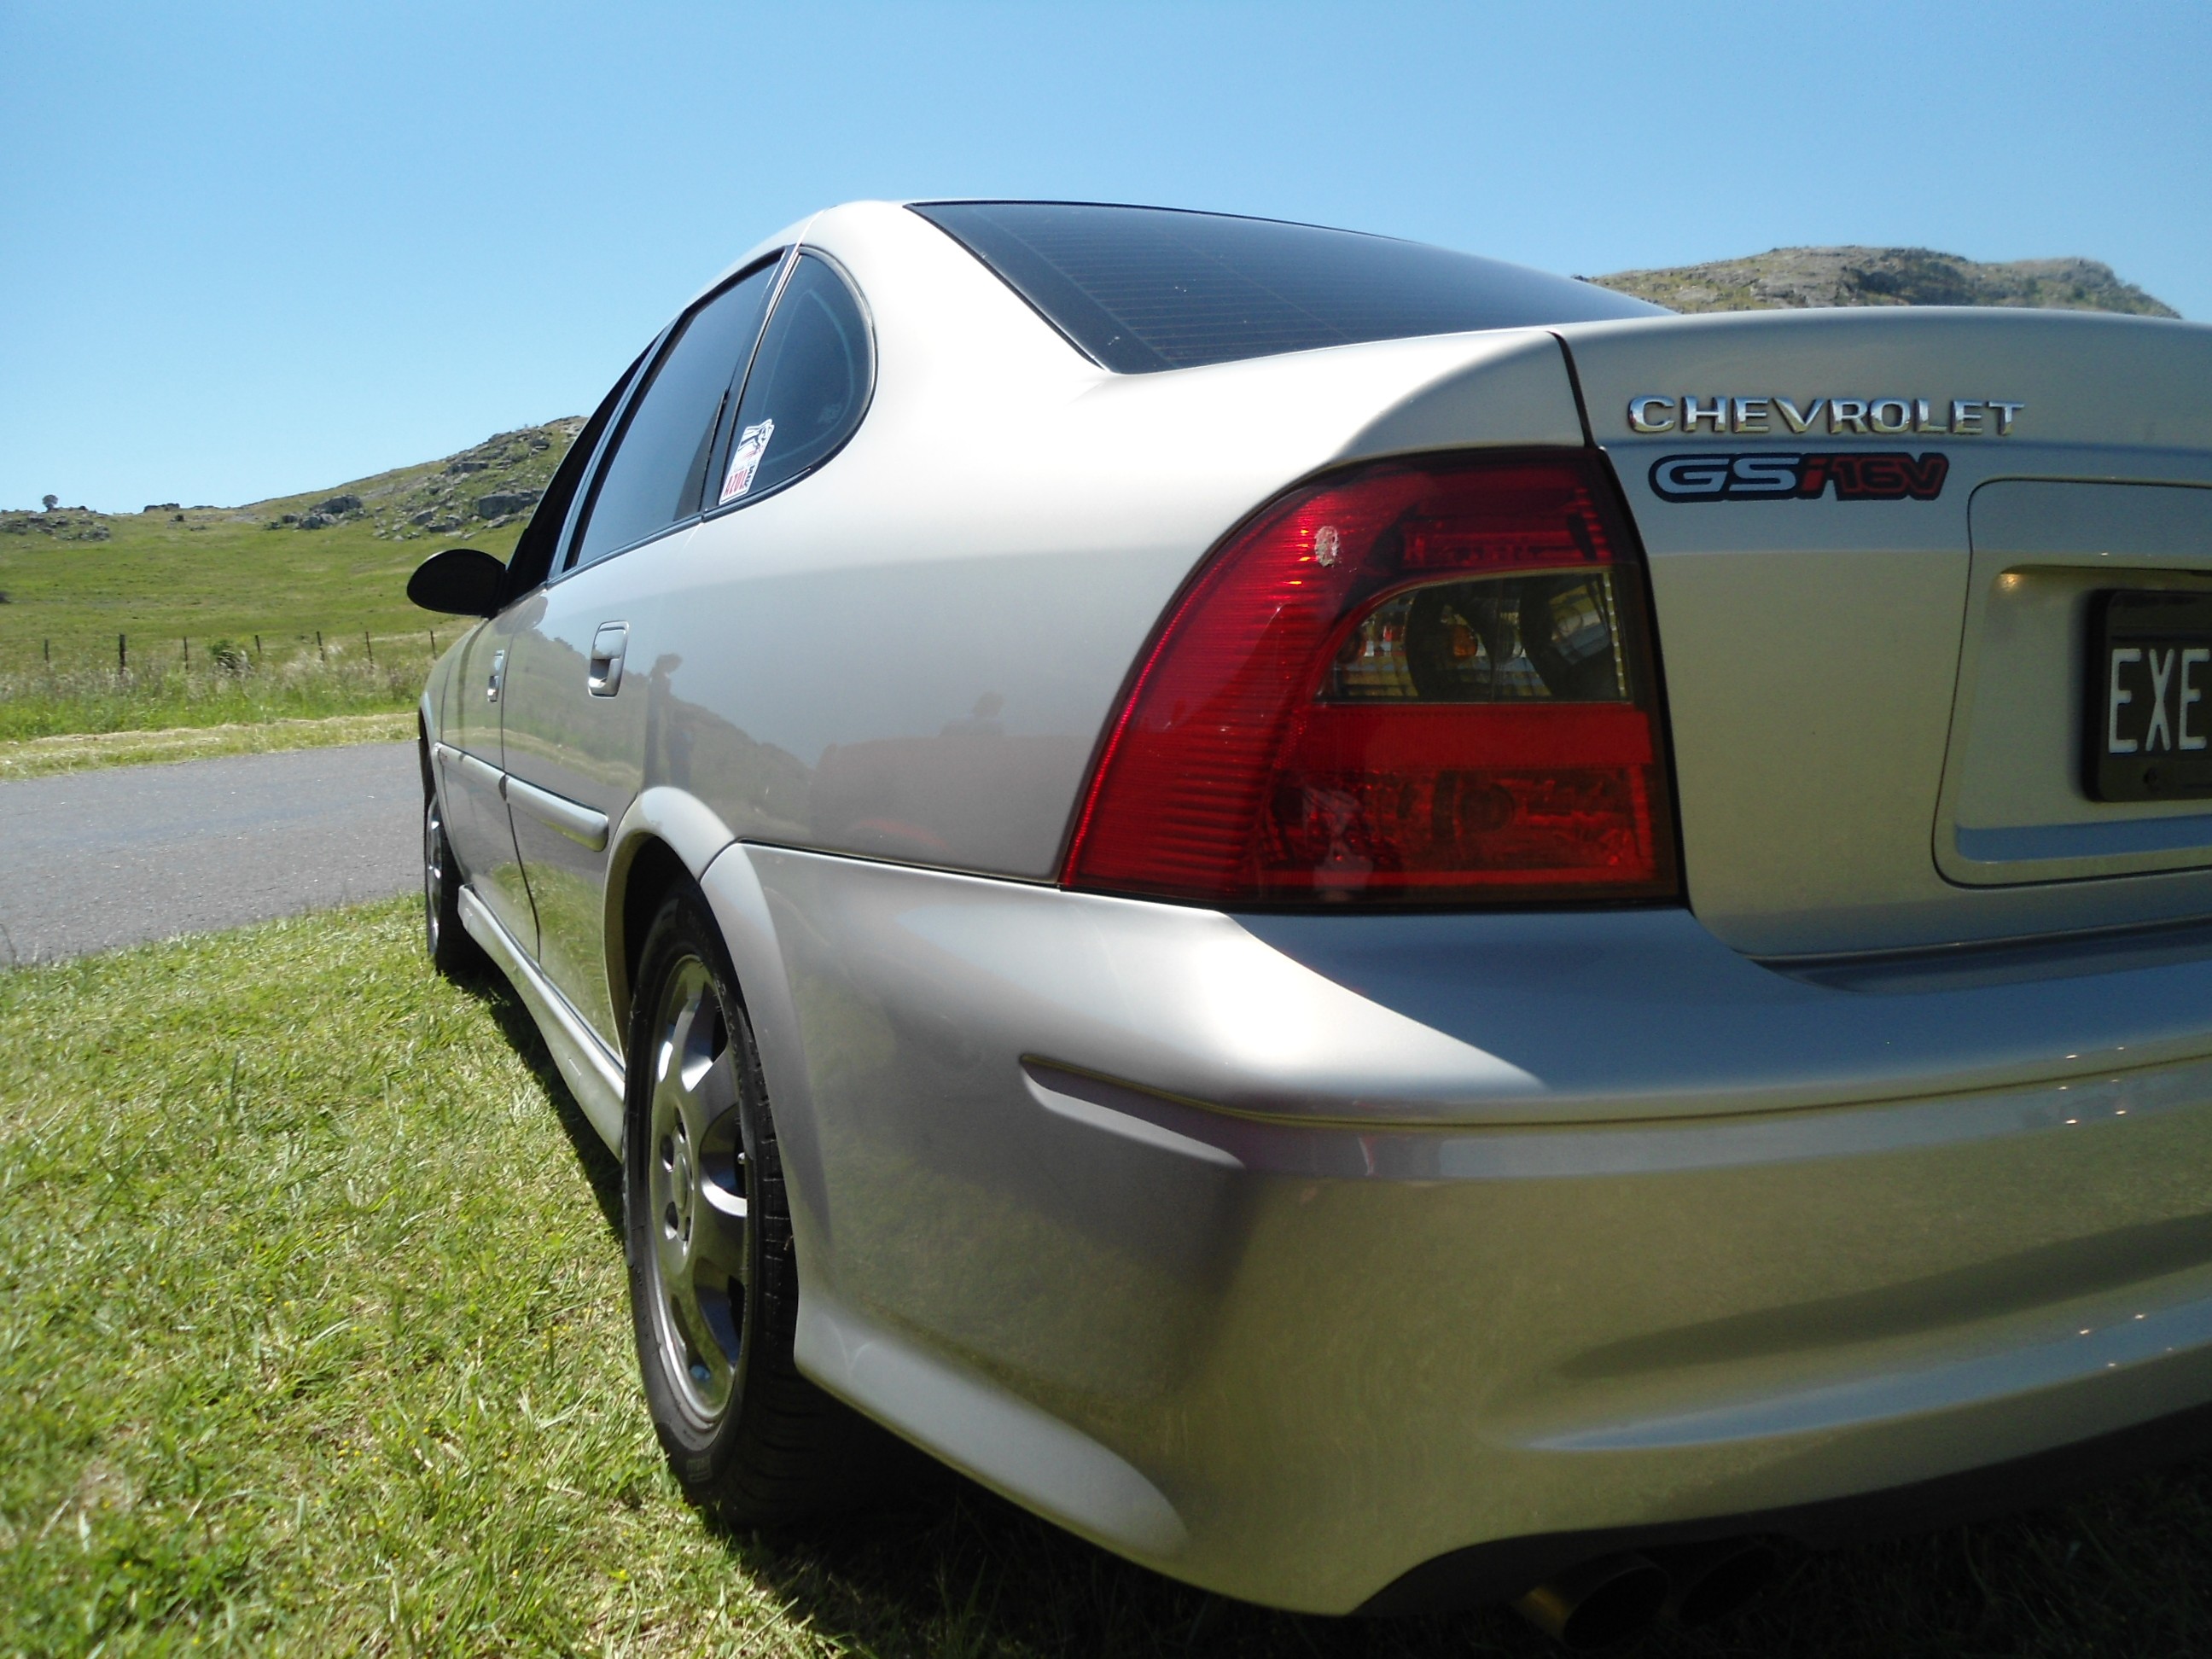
(2150,697)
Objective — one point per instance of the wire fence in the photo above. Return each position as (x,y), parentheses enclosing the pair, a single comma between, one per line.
(230,653)
(147,681)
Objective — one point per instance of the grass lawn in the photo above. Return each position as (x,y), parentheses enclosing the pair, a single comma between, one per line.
(312,1339)
(289,609)
(70,581)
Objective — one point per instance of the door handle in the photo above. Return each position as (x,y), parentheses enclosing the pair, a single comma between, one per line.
(603,678)
(498,676)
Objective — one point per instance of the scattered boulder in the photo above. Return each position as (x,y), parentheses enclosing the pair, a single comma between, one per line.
(464,464)
(159,507)
(339,505)
(92,527)
(503,502)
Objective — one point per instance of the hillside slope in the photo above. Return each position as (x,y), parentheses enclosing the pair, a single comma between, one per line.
(334,561)
(1794,277)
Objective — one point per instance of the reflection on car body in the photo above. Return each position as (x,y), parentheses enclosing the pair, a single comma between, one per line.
(1195,868)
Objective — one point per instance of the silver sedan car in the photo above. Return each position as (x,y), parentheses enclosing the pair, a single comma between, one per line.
(1378,928)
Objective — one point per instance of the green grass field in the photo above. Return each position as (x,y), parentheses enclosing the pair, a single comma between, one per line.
(74,581)
(313,1340)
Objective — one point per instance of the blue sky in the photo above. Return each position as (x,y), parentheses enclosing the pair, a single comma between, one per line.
(255,249)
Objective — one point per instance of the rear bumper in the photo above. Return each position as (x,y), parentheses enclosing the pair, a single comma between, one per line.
(1578,1224)
(1498,1570)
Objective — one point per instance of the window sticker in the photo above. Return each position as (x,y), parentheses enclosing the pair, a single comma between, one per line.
(745,459)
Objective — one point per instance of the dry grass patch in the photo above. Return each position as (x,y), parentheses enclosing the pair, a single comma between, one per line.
(39,758)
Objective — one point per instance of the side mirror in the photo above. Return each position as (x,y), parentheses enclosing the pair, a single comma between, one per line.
(461,581)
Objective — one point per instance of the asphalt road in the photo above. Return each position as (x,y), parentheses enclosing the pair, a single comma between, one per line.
(96,860)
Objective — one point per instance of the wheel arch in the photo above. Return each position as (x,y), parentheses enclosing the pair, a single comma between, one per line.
(423,711)
(666,835)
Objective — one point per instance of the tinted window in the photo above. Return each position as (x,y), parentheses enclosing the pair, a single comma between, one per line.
(808,388)
(1146,288)
(660,460)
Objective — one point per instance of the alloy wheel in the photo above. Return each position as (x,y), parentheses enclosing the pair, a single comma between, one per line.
(698,1177)
(434,872)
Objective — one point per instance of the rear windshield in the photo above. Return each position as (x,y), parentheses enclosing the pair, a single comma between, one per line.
(1146,288)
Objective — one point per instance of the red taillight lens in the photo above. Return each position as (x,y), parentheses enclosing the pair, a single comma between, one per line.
(1425,681)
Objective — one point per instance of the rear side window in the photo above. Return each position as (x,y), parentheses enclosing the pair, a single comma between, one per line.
(659,462)
(1139,289)
(808,388)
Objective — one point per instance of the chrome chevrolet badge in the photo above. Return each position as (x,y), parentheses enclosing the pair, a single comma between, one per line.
(1959,417)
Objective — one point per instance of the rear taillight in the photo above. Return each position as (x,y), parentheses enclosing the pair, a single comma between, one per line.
(1426,681)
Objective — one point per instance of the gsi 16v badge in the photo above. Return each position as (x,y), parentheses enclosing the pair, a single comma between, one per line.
(1857,477)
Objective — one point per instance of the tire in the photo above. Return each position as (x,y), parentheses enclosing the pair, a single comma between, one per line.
(714,1277)
(452,952)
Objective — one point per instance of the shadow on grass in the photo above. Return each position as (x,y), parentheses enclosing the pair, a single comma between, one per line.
(954,1570)
(601,1171)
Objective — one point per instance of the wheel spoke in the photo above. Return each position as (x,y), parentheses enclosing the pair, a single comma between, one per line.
(719,1250)
(697,1179)
(707,1342)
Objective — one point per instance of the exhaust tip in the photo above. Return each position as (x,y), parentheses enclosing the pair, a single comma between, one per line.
(1597,1604)
(1711,1580)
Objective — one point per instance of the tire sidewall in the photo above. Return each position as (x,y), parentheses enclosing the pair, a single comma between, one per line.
(452,952)
(434,857)
(698,1448)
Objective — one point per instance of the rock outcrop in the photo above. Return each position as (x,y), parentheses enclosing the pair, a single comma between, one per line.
(1806,276)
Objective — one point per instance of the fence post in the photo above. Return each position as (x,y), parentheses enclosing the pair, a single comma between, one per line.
(188,649)
(256,648)
(49,647)
(434,645)
(319,652)
(122,653)
(369,649)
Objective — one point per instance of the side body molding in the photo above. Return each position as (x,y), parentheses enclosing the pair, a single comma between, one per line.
(582,825)
(483,771)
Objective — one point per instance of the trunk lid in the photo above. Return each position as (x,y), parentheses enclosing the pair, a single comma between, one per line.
(1873,558)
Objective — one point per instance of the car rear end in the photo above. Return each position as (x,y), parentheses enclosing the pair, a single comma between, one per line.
(1597,994)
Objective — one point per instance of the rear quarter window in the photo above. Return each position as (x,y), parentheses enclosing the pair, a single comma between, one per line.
(808,389)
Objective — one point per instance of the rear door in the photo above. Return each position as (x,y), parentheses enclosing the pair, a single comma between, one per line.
(576,711)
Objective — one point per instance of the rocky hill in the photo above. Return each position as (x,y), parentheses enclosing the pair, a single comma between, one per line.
(304,572)
(488,486)
(1795,277)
